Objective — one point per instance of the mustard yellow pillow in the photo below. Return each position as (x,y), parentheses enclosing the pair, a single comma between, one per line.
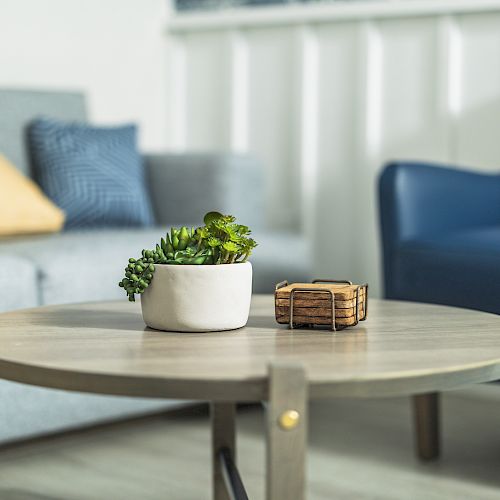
(23,206)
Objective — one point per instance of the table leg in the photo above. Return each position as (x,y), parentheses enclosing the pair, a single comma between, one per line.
(286,432)
(223,437)
(426,416)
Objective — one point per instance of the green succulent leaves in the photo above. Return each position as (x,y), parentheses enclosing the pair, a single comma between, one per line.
(211,217)
(219,241)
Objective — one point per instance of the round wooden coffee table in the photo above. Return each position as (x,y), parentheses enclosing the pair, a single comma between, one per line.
(402,349)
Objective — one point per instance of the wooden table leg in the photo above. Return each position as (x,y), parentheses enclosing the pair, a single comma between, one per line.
(426,417)
(286,432)
(223,436)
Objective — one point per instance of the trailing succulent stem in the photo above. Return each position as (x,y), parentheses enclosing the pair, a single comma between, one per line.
(219,241)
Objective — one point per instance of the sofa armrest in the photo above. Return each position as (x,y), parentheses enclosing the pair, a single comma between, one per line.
(184,187)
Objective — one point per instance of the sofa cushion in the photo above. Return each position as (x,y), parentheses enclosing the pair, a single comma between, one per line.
(18,282)
(80,266)
(460,269)
(96,175)
(85,265)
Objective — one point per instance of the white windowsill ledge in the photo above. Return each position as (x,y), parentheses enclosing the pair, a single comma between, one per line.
(293,14)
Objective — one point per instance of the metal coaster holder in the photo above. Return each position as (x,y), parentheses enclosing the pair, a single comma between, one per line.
(332,299)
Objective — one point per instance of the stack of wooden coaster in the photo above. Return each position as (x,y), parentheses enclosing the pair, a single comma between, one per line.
(324,302)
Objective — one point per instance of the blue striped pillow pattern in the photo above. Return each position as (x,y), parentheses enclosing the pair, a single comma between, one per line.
(95,174)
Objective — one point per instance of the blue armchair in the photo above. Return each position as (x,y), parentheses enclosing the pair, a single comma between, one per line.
(441,235)
(441,244)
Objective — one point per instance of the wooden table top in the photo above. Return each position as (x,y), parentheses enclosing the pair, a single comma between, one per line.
(402,348)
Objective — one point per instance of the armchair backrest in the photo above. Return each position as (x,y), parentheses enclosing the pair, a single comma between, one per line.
(420,201)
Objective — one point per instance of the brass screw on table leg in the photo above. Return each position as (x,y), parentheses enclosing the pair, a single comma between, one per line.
(289,419)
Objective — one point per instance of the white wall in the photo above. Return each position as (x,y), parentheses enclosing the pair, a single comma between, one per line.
(114,50)
(326,94)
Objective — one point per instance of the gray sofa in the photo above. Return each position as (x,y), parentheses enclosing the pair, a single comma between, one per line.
(52,269)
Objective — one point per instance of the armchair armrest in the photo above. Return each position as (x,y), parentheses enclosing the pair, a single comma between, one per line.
(184,187)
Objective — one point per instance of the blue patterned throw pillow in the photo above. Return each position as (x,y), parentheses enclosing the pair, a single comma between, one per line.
(95,174)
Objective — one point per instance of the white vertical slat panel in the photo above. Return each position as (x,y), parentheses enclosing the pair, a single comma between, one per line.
(449,81)
(177,94)
(208,79)
(307,124)
(411,126)
(370,92)
(402,121)
(478,128)
(239,88)
(272,114)
(335,195)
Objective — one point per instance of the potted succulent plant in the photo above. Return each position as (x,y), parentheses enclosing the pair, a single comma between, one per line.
(195,279)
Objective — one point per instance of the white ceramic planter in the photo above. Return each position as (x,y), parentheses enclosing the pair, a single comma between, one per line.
(198,298)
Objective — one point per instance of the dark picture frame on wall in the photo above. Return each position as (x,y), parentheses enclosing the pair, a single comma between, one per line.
(187,5)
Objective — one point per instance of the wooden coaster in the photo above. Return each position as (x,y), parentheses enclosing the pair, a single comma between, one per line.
(312,304)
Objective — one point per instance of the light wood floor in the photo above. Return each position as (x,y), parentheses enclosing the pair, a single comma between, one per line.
(358,450)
